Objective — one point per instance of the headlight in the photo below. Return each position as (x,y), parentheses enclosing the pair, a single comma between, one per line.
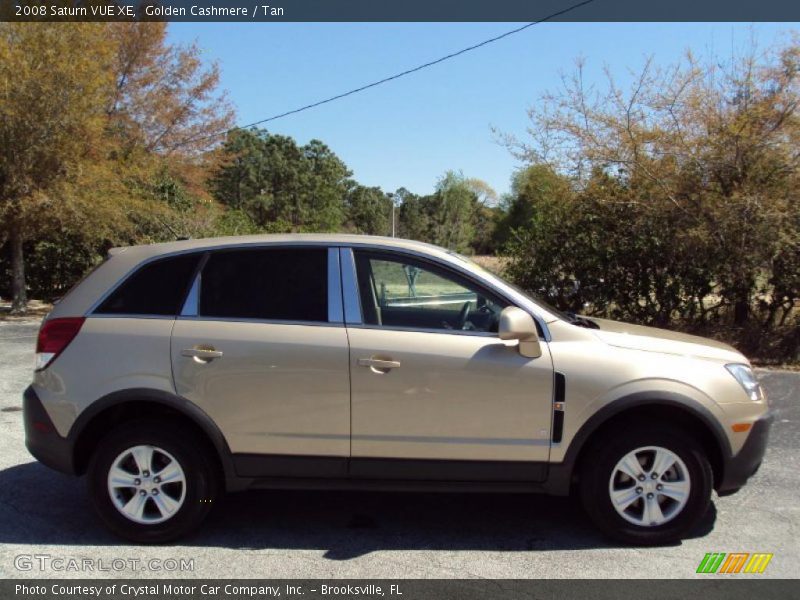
(747,379)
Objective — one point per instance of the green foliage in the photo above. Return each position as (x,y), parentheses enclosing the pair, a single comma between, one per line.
(453,209)
(485,221)
(413,215)
(635,263)
(673,205)
(453,216)
(369,210)
(282,186)
(530,187)
(53,92)
(584,252)
(235,222)
(53,265)
(95,119)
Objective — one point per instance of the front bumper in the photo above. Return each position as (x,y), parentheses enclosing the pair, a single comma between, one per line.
(41,437)
(738,469)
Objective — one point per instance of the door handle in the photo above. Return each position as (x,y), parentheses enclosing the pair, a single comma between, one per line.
(378,363)
(202,353)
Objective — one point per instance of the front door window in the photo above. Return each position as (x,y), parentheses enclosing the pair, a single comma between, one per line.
(404,293)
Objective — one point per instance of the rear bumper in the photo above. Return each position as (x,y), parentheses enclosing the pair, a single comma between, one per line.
(41,437)
(738,469)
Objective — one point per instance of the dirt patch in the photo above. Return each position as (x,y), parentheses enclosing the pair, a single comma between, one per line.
(36,310)
(495,264)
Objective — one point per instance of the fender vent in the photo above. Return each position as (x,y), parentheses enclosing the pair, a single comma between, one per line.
(559,396)
(558,425)
(560,385)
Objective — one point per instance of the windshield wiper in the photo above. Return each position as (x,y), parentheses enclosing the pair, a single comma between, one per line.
(582,321)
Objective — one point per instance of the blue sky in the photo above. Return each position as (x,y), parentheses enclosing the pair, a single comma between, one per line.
(410,131)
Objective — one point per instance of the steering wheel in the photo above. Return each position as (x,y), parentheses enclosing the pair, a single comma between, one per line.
(462,316)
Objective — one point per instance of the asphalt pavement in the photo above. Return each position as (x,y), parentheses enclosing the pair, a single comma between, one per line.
(48,529)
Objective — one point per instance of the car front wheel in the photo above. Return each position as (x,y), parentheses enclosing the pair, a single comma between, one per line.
(646,486)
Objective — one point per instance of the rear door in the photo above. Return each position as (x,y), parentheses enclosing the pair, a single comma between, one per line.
(261,347)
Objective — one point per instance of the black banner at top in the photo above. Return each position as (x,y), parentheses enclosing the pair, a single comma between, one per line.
(399,10)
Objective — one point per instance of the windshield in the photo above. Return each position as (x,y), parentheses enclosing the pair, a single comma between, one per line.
(530,296)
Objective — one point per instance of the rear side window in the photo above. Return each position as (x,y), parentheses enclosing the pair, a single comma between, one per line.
(158,288)
(285,284)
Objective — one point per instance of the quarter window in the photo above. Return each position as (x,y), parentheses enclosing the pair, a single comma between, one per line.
(272,284)
(410,294)
(158,288)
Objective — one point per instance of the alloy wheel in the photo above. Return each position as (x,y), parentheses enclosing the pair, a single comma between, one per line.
(147,484)
(649,486)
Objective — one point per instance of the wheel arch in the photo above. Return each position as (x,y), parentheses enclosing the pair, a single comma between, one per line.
(125,405)
(666,407)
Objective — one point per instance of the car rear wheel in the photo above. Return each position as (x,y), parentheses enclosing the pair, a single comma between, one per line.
(151,482)
(645,485)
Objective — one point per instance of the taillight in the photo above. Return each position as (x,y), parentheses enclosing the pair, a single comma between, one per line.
(54,336)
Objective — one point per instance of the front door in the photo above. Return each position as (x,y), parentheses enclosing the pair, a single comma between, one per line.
(435,393)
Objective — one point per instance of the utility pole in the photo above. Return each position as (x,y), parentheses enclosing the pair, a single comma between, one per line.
(391,197)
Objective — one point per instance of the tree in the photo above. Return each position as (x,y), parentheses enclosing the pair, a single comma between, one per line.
(55,84)
(106,135)
(485,221)
(454,207)
(165,116)
(454,216)
(369,210)
(452,219)
(328,181)
(530,188)
(413,221)
(280,185)
(483,191)
(240,177)
(685,196)
(165,101)
(485,217)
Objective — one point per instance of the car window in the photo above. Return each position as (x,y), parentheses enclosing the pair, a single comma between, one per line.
(157,288)
(286,284)
(397,292)
(535,298)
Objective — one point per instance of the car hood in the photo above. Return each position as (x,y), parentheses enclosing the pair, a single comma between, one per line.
(651,339)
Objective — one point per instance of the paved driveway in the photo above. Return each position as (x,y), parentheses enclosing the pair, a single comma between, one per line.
(326,534)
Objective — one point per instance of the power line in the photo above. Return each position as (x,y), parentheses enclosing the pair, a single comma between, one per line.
(392,77)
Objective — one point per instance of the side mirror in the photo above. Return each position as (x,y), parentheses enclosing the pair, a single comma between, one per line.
(516,324)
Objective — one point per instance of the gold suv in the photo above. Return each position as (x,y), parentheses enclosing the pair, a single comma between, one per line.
(175,372)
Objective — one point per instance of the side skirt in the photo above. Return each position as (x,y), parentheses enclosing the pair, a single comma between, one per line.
(378,474)
(387,485)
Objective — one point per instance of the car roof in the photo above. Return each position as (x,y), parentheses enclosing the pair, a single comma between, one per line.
(325,239)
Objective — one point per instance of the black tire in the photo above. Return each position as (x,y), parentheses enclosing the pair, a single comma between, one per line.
(202,486)
(596,473)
